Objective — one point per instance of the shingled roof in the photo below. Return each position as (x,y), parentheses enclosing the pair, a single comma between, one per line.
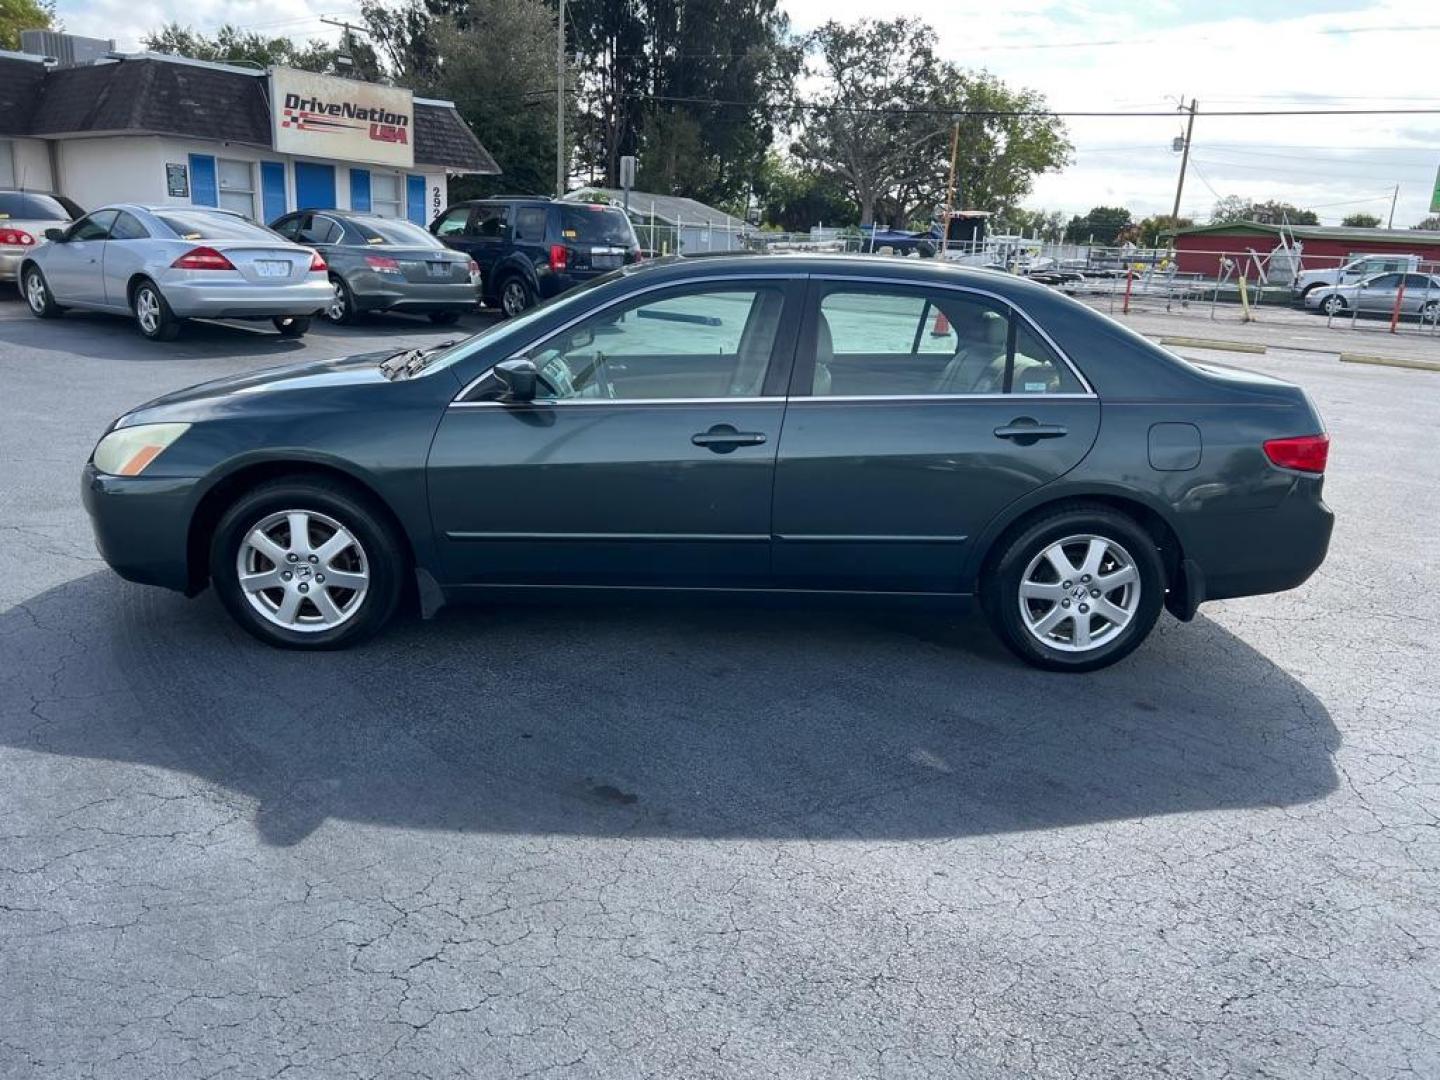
(150,95)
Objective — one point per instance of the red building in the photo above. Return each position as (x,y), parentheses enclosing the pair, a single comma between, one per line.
(1197,249)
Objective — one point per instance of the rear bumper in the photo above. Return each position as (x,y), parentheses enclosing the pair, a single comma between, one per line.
(1264,551)
(141,525)
(373,293)
(243,300)
(10,262)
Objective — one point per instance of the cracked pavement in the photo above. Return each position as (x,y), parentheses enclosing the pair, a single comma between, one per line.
(651,840)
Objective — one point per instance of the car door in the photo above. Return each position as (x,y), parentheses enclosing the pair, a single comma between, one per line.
(647,460)
(1419,291)
(486,238)
(1378,293)
(124,256)
(74,267)
(916,415)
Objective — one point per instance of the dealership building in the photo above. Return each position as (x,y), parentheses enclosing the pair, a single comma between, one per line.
(1199,248)
(155,129)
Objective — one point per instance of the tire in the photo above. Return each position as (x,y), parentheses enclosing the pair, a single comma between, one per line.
(38,297)
(515,296)
(1430,312)
(1127,556)
(444,318)
(325,615)
(153,317)
(292,326)
(341,309)
(1333,305)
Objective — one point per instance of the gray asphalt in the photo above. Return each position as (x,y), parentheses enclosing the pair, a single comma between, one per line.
(708,841)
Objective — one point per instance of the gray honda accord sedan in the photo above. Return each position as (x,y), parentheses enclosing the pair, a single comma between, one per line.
(856,425)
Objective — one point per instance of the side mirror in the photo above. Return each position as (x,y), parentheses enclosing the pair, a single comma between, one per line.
(52,233)
(518,378)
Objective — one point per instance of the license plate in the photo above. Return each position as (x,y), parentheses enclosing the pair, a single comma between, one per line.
(272,268)
(439,269)
(601,262)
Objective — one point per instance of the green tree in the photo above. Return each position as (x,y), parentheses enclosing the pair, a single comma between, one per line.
(1270,212)
(885,119)
(1361,221)
(18,15)
(1047,224)
(796,199)
(1103,223)
(1148,231)
(1432,222)
(233,45)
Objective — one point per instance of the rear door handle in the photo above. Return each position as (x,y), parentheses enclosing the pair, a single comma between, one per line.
(1024,431)
(723,438)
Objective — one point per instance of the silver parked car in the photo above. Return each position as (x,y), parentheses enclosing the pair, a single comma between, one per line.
(385,264)
(24,217)
(1377,293)
(163,264)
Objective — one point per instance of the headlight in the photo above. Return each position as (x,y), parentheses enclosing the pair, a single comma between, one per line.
(129,451)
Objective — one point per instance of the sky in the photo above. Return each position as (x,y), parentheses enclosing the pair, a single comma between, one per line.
(1088,55)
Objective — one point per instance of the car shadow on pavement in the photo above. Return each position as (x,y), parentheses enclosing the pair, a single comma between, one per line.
(668,719)
(75,332)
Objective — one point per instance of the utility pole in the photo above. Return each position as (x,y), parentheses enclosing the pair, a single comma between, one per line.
(346,57)
(1393,199)
(1184,158)
(560,104)
(950,189)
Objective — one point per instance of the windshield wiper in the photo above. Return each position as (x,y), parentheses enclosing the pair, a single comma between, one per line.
(407,362)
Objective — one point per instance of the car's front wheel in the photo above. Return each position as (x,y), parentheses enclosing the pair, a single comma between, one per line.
(153,317)
(1333,305)
(37,294)
(307,563)
(1077,590)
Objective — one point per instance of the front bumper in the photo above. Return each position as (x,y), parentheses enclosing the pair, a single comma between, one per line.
(141,525)
(244,300)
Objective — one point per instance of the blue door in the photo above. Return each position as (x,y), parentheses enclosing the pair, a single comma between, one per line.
(415,199)
(360,189)
(314,186)
(203,189)
(272,190)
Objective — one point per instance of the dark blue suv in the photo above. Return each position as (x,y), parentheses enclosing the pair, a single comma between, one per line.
(531,248)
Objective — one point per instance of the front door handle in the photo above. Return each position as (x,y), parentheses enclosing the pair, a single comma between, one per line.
(723,438)
(1026,431)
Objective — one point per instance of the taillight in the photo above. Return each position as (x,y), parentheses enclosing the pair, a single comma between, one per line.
(1306,453)
(13,237)
(637,255)
(379,262)
(559,257)
(317,263)
(203,258)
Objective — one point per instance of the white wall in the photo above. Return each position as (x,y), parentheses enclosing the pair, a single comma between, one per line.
(127,168)
(32,165)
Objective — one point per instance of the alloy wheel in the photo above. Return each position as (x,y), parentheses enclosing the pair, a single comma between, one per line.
(1079,593)
(336,309)
(1334,305)
(147,310)
(35,291)
(303,570)
(512,297)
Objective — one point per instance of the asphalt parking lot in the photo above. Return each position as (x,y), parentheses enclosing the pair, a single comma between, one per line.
(708,841)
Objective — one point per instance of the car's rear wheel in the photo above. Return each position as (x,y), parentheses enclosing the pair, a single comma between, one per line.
(341,308)
(38,296)
(1077,590)
(514,296)
(292,326)
(1430,312)
(1333,305)
(153,316)
(444,318)
(307,564)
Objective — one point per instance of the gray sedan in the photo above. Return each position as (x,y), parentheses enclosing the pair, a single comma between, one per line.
(164,264)
(385,264)
(24,217)
(1377,293)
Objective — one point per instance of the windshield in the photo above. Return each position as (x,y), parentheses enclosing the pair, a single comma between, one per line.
(596,225)
(28,206)
(378,230)
(198,225)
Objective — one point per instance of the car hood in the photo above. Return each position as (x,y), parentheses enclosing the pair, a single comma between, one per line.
(234,393)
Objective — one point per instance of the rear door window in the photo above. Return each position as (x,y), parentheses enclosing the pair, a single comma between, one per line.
(128,227)
(530,224)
